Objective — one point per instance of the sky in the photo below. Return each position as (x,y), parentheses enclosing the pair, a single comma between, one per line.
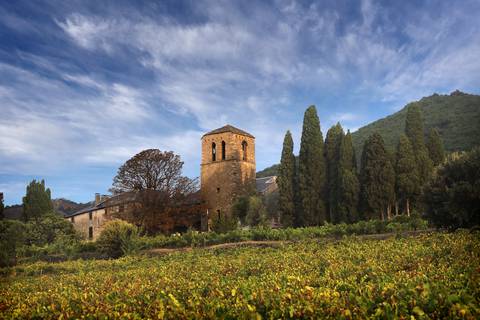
(85,85)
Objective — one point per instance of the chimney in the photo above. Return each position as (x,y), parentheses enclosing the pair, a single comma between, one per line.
(97,198)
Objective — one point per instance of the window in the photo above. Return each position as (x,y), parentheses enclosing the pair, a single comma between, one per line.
(218,190)
(224,155)
(90,215)
(214,151)
(244,150)
(218,213)
(121,208)
(72,219)
(90,232)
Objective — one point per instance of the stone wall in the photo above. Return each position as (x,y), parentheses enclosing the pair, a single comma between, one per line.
(223,180)
(82,222)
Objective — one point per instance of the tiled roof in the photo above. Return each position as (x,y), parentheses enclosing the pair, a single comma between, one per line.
(262,184)
(229,128)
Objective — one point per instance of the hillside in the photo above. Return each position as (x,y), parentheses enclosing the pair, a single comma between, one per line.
(456,116)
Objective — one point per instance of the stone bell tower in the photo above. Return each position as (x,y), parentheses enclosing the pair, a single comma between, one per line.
(227,169)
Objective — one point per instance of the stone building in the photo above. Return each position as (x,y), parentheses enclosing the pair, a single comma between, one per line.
(188,214)
(227,168)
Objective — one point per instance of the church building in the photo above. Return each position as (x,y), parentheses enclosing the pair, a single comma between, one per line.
(227,168)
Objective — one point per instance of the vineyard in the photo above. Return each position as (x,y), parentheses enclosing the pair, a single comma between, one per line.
(434,275)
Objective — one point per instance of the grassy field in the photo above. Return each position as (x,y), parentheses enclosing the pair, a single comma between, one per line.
(430,276)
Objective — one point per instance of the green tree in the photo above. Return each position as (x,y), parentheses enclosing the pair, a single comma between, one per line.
(332,156)
(415,132)
(407,180)
(311,171)
(1,206)
(285,181)
(349,186)
(37,201)
(377,179)
(257,213)
(435,147)
(452,196)
(12,237)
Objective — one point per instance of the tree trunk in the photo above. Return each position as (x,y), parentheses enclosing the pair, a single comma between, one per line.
(389,212)
(407,205)
(396,208)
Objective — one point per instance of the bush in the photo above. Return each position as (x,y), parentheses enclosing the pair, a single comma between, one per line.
(12,236)
(118,238)
(46,229)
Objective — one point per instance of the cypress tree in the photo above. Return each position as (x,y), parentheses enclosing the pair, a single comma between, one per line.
(407,184)
(435,147)
(414,132)
(285,181)
(37,201)
(311,171)
(377,179)
(349,187)
(332,156)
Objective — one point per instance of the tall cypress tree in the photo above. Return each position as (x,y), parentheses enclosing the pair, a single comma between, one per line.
(311,171)
(377,179)
(435,147)
(285,181)
(349,186)
(332,156)
(407,180)
(414,132)
(37,201)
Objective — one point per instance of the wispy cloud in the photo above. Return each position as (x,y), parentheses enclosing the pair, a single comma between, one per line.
(89,86)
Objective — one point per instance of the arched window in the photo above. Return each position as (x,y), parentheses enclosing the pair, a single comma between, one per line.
(244,150)
(224,155)
(214,151)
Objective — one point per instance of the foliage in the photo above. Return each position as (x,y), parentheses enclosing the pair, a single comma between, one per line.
(334,138)
(37,201)
(286,182)
(349,186)
(225,223)
(12,236)
(152,169)
(240,208)
(452,196)
(437,277)
(312,171)
(456,118)
(407,180)
(435,147)
(194,239)
(256,213)
(118,238)
(47,229)
(377,178)
(156,178)
(415,133)
(2,207)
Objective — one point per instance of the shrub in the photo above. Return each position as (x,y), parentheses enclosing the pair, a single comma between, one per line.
(46,229)
(12,236)
(118,238)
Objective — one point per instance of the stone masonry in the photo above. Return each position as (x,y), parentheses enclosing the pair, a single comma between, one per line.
(227,168)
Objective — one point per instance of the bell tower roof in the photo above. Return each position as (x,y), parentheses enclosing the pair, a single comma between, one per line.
(228,128)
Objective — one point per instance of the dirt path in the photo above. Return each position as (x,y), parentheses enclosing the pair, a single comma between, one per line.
(276,243)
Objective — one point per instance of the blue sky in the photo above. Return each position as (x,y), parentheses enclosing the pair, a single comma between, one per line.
(85,85)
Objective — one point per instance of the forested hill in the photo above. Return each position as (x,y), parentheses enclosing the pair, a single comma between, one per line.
(456,116)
